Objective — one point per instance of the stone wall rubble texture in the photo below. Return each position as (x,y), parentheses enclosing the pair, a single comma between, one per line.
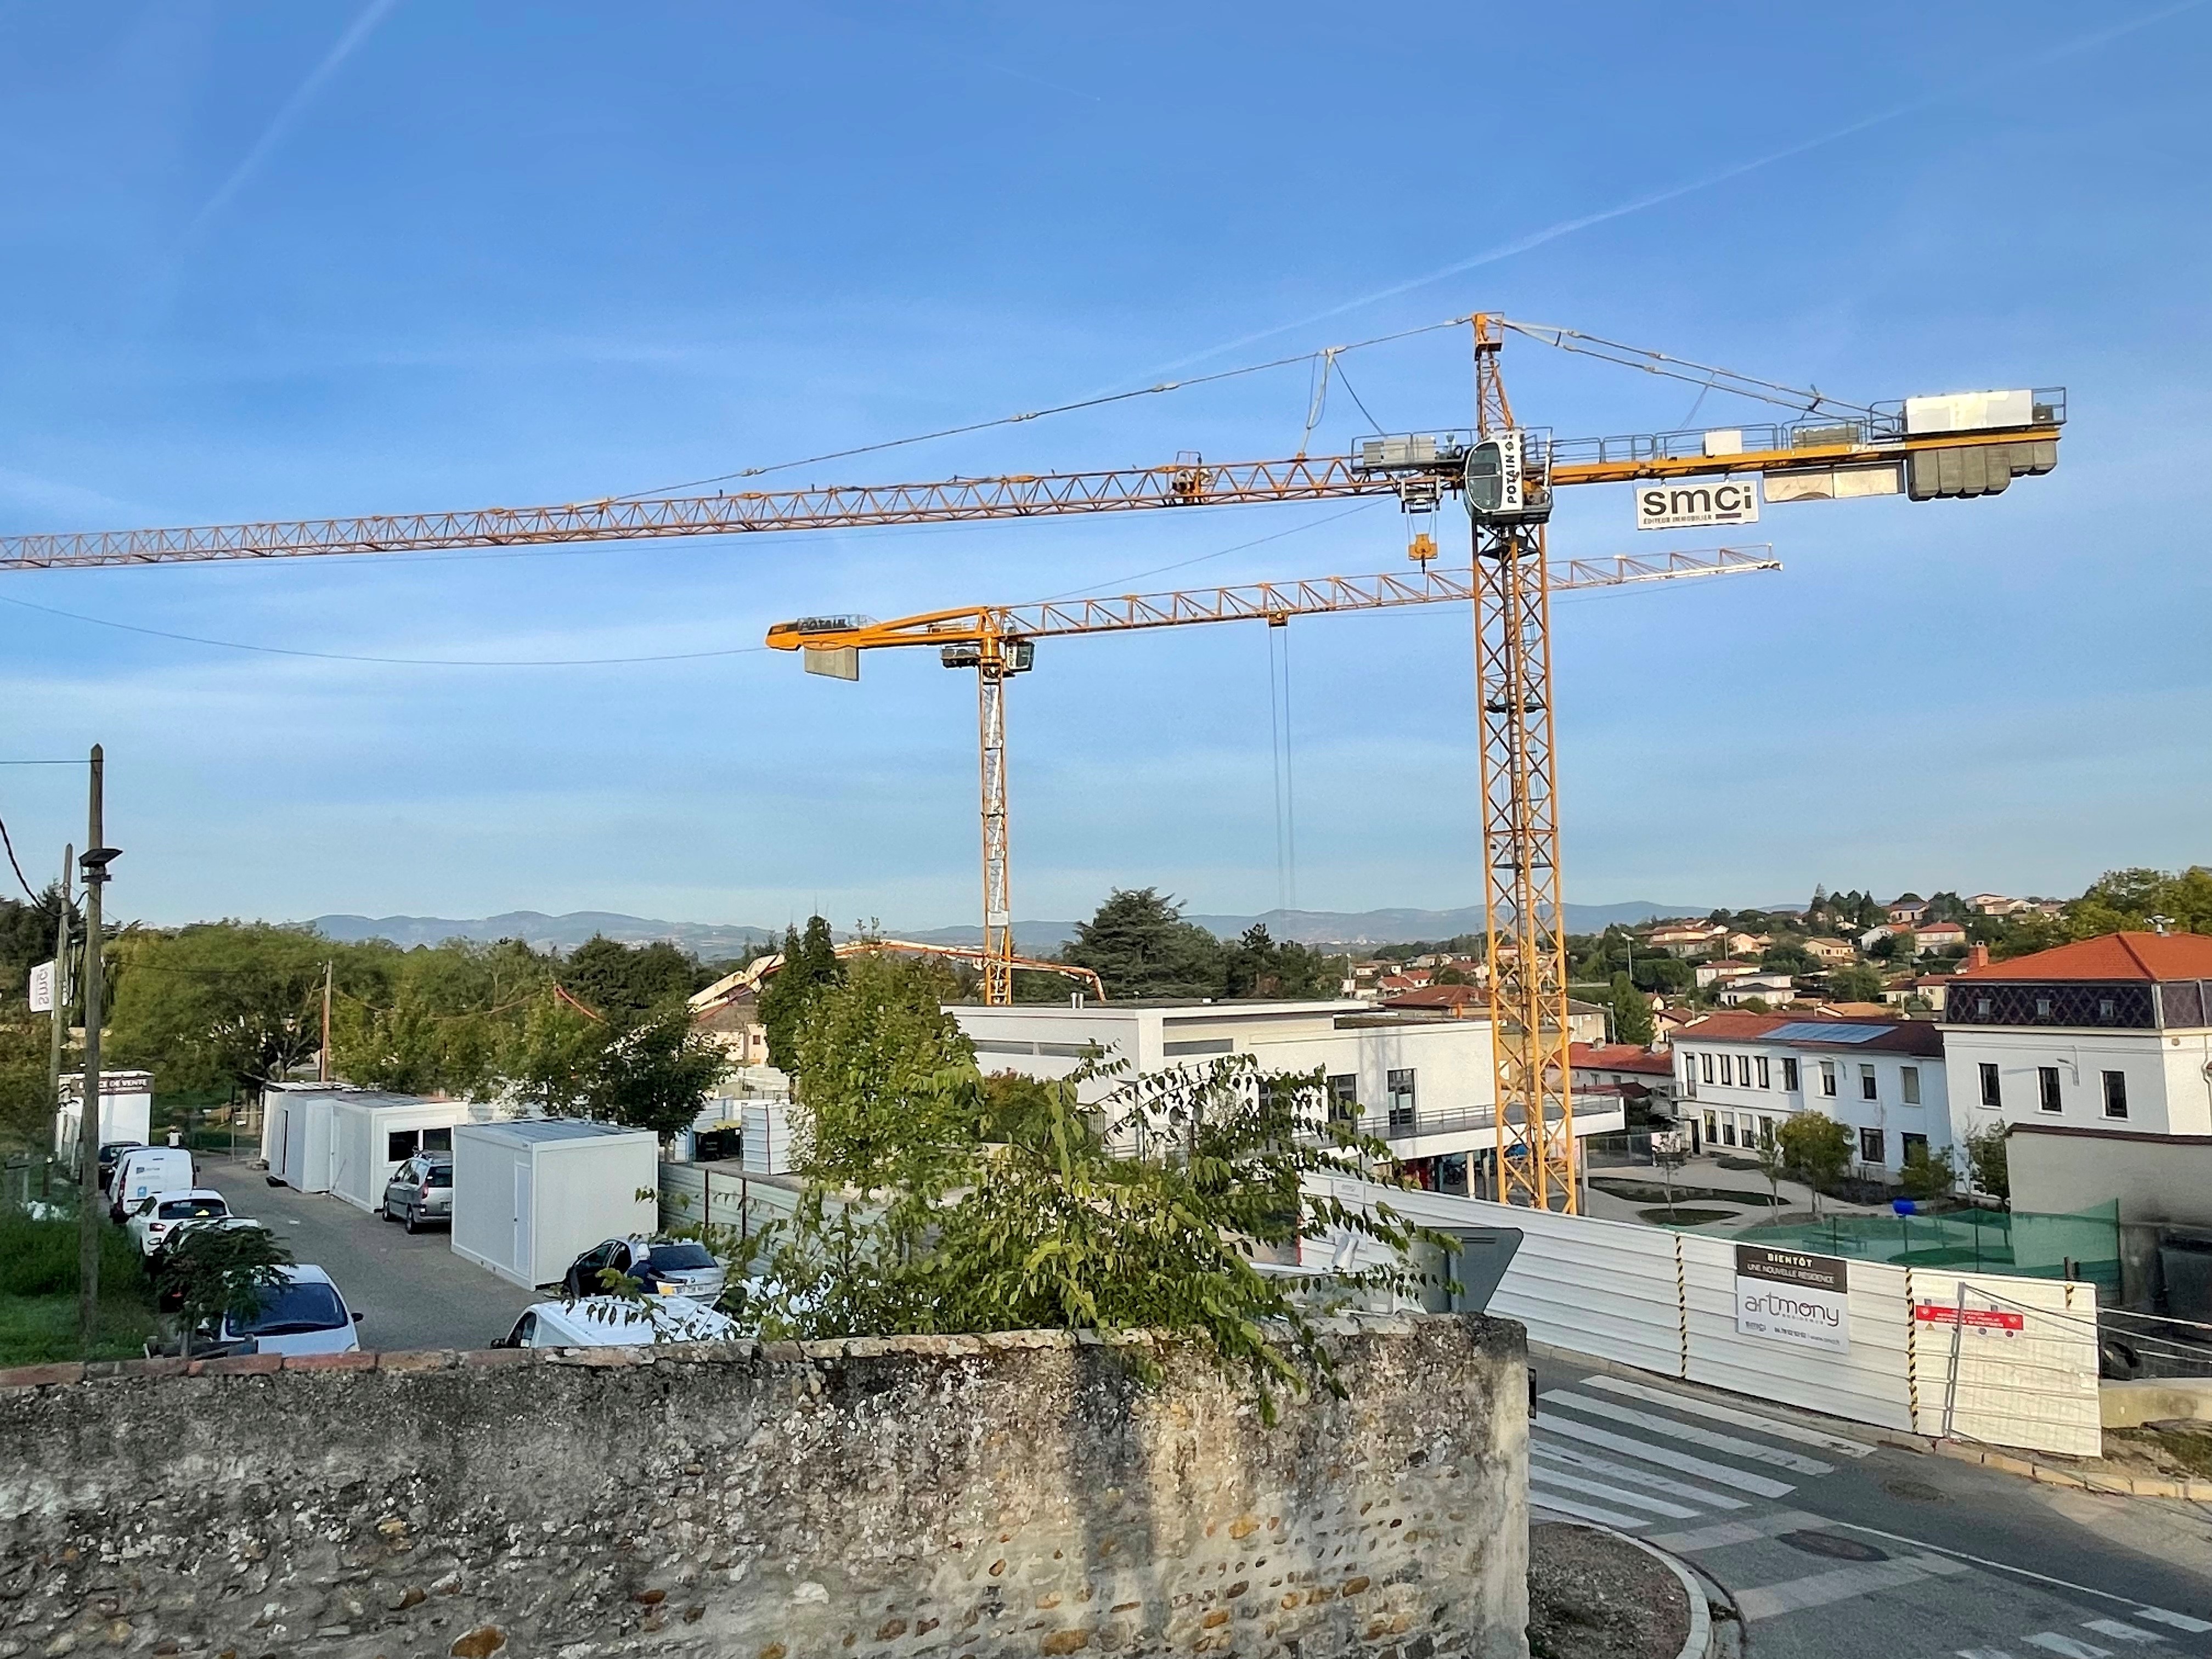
(993,1496)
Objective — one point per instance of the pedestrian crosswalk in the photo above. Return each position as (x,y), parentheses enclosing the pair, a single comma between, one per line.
(1707,1478)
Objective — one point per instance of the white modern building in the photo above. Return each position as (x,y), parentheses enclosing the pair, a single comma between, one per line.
(1423,1083)
(2113,1034)
(1738,1077)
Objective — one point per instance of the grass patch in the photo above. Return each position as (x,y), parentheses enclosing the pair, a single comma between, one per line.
(2189,1448)
(38,1293)
(1739,1165)
(1684,1216)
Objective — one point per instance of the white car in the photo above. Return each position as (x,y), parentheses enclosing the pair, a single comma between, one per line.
(157,1217)
(302,1313)
(614,1322)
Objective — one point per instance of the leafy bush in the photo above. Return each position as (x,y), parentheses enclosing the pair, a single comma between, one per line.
(39,1257)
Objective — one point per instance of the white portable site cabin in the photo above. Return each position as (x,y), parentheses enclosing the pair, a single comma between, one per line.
(126,1110)
(373,1133)
(532,1195)
(295,1132)
(767,1137)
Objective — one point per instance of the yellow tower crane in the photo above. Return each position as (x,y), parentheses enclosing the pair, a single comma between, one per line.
(999,642)
(1954,447)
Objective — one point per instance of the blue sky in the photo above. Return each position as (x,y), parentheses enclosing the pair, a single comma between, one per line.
(304,258)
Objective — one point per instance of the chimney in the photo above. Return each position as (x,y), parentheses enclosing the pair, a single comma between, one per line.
(1977,956)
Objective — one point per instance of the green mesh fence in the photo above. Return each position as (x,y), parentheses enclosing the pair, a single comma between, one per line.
(2085,1245)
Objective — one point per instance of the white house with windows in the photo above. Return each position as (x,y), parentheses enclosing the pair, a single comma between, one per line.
(2112,1033)
(1739,1076)
(1424,1083)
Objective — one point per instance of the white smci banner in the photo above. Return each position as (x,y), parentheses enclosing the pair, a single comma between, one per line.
(1788,1296)
(42,988)
(1686,506)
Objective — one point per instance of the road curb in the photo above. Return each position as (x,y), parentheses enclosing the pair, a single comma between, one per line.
(2108,1486)
(1699,1645)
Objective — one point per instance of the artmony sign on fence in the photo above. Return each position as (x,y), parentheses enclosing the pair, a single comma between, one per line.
(1790,1296)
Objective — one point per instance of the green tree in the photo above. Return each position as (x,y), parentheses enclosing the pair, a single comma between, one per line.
(1816,1151)
(1049,1228)
(1773,1162)
(877,1057)
(1140,946)
(26,939)
(1855,983)
(628,983)
(1926,1177)
(1786,957)
(223,1003)
(1986,1161)
(445,1016)
(2126,900)
(810,963)
(1256,965)
(1632,1013)
(211,1271)
(655,1076)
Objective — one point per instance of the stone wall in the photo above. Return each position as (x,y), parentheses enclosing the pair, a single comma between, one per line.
(1013,1495)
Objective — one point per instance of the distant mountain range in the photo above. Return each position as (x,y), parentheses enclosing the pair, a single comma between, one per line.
(709,941)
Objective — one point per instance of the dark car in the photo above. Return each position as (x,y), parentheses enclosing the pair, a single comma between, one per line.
(109,1152)
(666,1266)
(421,1190)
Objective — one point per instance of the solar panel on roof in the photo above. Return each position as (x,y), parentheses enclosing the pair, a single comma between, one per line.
(1823,1030)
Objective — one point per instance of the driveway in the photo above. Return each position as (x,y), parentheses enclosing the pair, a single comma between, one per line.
(411,1292)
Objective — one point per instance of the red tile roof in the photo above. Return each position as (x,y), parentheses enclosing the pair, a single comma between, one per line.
(1618,1057)
(1437,996)
(2109,956)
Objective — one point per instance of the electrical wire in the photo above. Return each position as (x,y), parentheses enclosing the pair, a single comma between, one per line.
(1373,424)
(8,841)
(401,662)
(1040,414)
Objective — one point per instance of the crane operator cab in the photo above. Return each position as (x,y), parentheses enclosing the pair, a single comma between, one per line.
(1509,479)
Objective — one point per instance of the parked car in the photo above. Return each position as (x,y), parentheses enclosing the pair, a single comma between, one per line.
(663,1266)
(141,1171)
(421,1189)
(109,1152)
(161,1215)
(302,1313)
(614,1322)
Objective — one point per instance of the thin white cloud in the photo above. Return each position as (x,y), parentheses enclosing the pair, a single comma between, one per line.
(1553,232)
(288,115)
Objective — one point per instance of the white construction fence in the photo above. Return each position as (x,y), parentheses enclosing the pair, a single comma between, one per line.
(1865,1341)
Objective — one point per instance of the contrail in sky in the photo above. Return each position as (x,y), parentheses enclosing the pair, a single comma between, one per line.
(362,27)
(1553,232)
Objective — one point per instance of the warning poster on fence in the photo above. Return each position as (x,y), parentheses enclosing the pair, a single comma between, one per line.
(1788,1296)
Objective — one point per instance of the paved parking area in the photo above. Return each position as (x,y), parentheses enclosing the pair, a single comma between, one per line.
(411,1292)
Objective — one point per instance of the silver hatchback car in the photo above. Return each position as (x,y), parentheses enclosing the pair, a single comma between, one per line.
(421,1191)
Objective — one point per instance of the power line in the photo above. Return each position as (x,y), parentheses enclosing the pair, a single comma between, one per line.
(342,656)
(8,841)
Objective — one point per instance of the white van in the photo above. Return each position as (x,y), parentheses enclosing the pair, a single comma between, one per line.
(144,1171)
(611,1321)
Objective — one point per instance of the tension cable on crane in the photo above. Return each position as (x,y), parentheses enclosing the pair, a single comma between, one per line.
(1810,400)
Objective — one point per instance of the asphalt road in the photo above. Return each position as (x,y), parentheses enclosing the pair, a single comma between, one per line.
(1859,1548)
(411,1292)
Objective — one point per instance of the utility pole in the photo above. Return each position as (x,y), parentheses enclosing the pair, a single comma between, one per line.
(63,992)
(97,856)
(323,1064)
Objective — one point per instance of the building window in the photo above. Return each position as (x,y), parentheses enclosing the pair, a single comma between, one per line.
(1400,1082)
(1909,1079)
(400,1144)
(1828,1077)
(1866,1081)
(1343,1098)
(1870,1146)
(1728,1130)
(1728,1071)
(1763,1074)
(1907,1145)
(2116,1094)
(2043,1007)
(1991,1096)
(1981,1007)
(1712,1127)
(2106,1009)
(1706,1062)
(2046,1088)
(438,1140)
(1766,1132)
(1790,1073)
